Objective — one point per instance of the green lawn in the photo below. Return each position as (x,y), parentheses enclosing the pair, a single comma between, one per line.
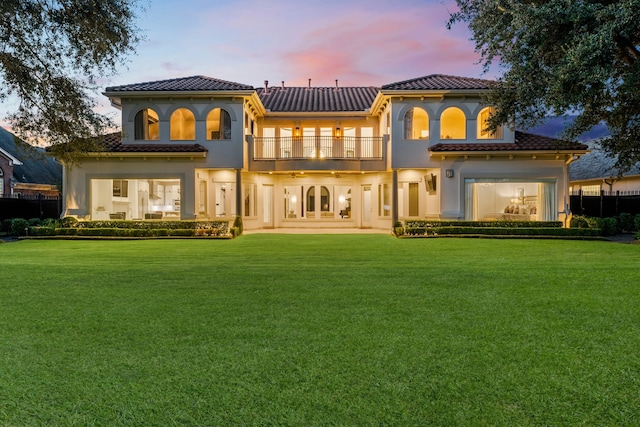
(319,330)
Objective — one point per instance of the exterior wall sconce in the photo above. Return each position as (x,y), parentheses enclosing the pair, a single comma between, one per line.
(449,173)
(297,131)
(338,133)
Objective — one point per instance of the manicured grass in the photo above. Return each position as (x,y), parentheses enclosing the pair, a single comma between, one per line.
(319,330)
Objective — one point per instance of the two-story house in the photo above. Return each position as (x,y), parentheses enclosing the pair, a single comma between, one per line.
(317,157)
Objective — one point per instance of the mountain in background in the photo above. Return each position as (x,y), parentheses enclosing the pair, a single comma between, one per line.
(554,126)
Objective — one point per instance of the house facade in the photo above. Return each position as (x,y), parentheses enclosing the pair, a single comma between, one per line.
(26,171)
(317,157)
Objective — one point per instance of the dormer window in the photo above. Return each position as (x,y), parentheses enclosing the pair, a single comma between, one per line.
(183,125)
(483,123)
(453,124)
(218,124)
(146,125)
(416,124)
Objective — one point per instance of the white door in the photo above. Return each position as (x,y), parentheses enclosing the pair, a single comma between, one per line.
(267,206)
(366,206)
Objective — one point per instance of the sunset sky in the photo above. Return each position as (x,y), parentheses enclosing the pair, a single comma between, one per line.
(358,42)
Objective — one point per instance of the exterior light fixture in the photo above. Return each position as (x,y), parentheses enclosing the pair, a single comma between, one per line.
(297,131)
(338,133)
(449,173)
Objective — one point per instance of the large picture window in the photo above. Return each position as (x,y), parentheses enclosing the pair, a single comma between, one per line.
(135,199)
(510,199)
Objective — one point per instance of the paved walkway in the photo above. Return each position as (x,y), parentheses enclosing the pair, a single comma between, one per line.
(317,231)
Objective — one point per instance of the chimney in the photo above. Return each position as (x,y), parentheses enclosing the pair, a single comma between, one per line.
(337,88)
(283,85)
(309,84)
(266,87)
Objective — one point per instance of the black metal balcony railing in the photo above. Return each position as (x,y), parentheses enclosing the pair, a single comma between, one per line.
(317,147)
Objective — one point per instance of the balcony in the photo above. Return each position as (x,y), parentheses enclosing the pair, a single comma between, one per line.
(317,153)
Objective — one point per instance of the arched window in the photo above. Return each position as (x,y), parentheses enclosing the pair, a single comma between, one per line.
(218,124)
(453,124)
(146,125)
(183,125)
(483,122)
(324,199)
(416,124)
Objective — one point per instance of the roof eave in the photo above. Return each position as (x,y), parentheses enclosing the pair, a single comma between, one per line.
(432,93)
(510,153)
(161,154)
(119,94)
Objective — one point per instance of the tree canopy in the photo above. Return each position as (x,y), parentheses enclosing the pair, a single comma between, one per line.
(563,56)
(52,56)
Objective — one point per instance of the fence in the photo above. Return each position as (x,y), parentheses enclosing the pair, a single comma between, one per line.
(30,207)
(607,204)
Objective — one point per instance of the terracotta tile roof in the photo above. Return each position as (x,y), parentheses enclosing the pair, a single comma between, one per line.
(317,99)
(440,82)
(523,142)
(112,143)
(193,83)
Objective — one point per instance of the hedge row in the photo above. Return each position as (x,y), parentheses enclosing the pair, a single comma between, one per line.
(501,231)
(482,224)
(110,232)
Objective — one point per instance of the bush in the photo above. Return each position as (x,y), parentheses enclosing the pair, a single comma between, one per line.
(68,222)
(18,226)
(42,231)
(578,221)
(237,223)
(34,222)
(625,222)
(609,226)
(50,222)
(636,222)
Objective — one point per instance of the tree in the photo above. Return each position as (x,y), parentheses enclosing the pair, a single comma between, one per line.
(560,57)
(52,54)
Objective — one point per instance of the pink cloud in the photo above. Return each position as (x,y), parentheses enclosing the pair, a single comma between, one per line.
(369,48)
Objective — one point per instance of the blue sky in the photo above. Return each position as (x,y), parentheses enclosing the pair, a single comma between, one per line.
(358,42)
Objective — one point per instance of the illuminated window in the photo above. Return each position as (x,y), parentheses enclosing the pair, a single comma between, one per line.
(1,183)
(483,123)
(384,200)
(590,190)
(453,124)
(183,125)
(218,124)
(416,124)
(146,125)
(120,188)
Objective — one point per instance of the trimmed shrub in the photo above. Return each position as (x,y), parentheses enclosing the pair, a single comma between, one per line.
(608,226)
(578,221)
(50,222)
(68,222)
(636,222)
(34,222)
(42,231)
(237,223)
(625,222)
(19,226)
(66,231)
